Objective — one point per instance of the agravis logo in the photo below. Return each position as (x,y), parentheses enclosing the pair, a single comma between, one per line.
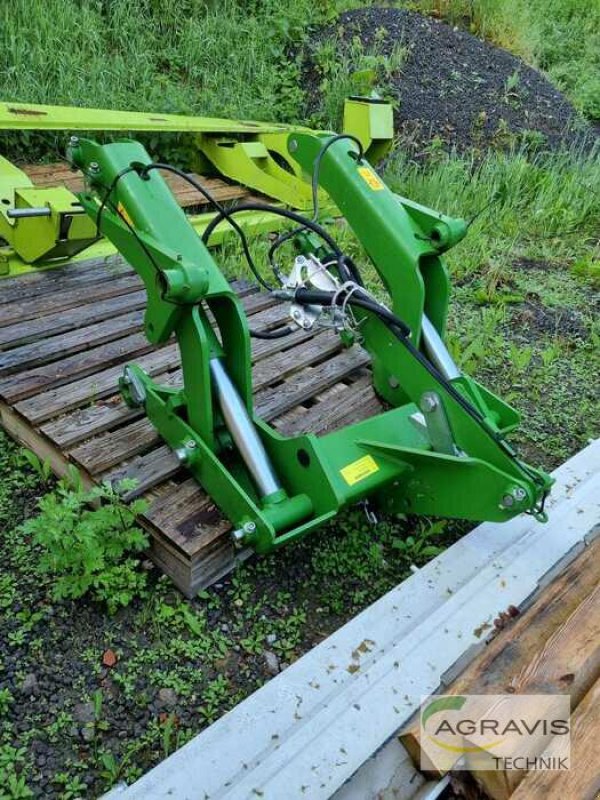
(495,732)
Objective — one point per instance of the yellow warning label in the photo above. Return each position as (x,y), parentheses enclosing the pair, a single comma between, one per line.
(370,178)
(358,470)
(123,214)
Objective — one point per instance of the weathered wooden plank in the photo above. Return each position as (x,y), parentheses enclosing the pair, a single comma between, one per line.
(23,385)
(65,278)
(108,414)
(567,662)
(88,326)
(29,437)
(50,403)
(74,373)
(342,405)
(49,175)
(102,452)
(304,385)
(160,464)
(92,388)
(105,451)
(24,358)
(148,470)
(22,309)
(187,518)
(582,781)
(83,423)
(31,330)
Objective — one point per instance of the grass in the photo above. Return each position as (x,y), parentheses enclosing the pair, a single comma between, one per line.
(226,59)
(354,70)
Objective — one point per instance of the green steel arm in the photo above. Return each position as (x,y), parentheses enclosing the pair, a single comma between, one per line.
(387,457)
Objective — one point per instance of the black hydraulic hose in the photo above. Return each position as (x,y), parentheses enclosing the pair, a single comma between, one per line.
(284,237)
(402,332)
(278,334)
(280,212)
(323,298)
(223,213)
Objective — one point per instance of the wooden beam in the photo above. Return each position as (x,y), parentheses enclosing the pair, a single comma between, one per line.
(553,647)
(582,781)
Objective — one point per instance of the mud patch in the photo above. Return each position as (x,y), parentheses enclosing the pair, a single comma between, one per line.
(533,317)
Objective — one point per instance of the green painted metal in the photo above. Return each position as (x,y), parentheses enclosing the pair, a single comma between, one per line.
(64,232)
(388,458)
(28,116)
(371,120)
(252,153)
(253,222)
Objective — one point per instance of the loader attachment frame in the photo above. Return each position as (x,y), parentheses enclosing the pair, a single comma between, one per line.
(440,449)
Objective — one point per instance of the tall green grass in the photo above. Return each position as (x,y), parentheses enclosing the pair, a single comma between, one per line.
(540,206)
(184,56)
(562,37)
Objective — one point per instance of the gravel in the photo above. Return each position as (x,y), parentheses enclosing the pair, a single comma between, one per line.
(454,86)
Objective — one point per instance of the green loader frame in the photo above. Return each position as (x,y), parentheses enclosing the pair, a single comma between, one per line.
(440,449)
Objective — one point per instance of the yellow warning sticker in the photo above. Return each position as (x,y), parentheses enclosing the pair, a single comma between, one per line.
(370,178)
(358,470)
(123,214)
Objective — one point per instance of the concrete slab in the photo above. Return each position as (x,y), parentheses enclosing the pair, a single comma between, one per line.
(313,731)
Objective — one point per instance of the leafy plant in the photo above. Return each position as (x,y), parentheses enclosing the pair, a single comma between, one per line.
(13,785)
(215,695)
(72,786)
(419,547)
(6,700)
(43,469)
(89,550)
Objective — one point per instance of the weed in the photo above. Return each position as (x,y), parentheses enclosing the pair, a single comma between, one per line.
(6,701)
(13,784)
(72,786)
(214,696)
(520,357)
(419,547)
(87,550)
(512,88)
(353,70)
(43,469)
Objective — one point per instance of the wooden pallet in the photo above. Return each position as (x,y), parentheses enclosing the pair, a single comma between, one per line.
(49,175)
(553,647)
(65,335)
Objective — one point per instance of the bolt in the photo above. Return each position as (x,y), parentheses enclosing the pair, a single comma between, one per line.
(74,141)
(94,167)
(181,454)
(519,493)
(507,501)
(429,402)
(393,382)
(240,534)
(293,146)
(191,444)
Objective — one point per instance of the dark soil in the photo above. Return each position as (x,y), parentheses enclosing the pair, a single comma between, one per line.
(455,87)
(91,699)
(534,318)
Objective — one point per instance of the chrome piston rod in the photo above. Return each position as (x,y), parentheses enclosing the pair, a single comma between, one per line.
(437,351)
(242,430)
